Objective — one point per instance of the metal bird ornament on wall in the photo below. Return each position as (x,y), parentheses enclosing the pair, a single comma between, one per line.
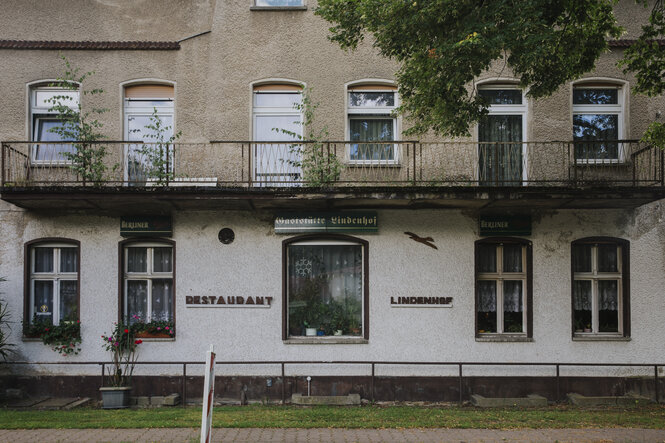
(424,240)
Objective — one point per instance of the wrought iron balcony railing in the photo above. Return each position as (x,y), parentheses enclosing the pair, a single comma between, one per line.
(331,164)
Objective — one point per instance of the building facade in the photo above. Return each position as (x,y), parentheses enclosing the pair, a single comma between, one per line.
(211,209)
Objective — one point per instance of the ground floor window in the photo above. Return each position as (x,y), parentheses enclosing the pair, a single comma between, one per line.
(600,287)
(325,287)
(53,282)
(148,291)
(503,287)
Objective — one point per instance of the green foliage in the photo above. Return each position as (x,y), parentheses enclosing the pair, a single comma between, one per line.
(443,45)
(646,60)
(655,135)
(319,166)
(158,153)
(65,338)
(87,159)
(123,346)
(6,347)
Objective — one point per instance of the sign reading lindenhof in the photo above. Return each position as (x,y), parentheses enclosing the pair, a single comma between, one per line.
(346,222)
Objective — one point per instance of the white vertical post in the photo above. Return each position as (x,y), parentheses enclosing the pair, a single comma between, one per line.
(208,396)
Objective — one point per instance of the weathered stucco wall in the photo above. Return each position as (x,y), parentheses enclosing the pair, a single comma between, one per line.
(252,265)
(213,73)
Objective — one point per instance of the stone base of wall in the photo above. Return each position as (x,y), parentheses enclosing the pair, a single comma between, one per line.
(430,389)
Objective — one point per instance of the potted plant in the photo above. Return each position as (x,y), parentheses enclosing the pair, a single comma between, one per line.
(123,346)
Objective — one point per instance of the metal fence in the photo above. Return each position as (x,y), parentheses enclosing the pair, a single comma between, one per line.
(372,366)
(332,164)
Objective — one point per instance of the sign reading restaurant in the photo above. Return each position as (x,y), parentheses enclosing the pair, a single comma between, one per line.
(339,222)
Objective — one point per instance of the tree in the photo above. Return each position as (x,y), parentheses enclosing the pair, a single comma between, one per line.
(87,159)
(646,60)
(443,45)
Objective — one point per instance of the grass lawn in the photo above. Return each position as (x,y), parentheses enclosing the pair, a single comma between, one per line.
(643,416)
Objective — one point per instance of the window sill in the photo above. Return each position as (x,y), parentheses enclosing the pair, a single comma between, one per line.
(600,338)
(601,162)
(33,339)
(498,338)
(148,339)
(278,8)
(372,164)
(325,341)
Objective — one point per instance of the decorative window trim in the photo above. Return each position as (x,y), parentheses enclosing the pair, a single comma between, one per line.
(526,336)
(619,109)
(624,296)
(149,242)
(382,113)
(27,267)
(332,238)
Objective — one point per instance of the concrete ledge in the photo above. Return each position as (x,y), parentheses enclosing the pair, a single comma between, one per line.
(623,400)
(334,400)
(529,401)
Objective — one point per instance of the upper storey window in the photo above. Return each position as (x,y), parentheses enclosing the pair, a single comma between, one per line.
(370,112)
(597,122)
(280,3)
(501,151)
(149,115)
(47,127)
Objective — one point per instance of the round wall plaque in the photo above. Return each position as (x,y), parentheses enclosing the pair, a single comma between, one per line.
(226,236)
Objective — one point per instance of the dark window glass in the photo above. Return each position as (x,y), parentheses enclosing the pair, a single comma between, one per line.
(595,96)
(501,96)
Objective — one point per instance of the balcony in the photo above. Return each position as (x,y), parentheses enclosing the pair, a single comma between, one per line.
(129,177)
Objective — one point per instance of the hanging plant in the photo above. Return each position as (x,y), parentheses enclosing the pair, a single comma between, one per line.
(65,338)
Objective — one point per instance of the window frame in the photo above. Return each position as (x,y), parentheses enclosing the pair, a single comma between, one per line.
(375,113)
(618,109)
(332,239)
(623,289)
(40,111)
(527,263)
(257,7)
(149,242)
(521,109)
(28,287)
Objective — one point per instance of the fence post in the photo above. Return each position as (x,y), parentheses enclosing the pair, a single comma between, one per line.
(558,385)
(103,371)
(460,383)
(184,385)
(283,387)
(2,165)
(371,385)
(167,172)
(415,177)
(249,164)
(655,377)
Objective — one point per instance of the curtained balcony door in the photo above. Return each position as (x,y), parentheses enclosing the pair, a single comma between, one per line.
(500,150)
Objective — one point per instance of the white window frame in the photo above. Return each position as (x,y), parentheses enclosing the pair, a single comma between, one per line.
(39,109)
(149,275)
(521,110)
(377,113)
(594,277)
(617,109)
(257,4)
(56,276)
(362,287)
(499,277)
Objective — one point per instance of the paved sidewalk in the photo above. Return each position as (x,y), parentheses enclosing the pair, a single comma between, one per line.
(189,435)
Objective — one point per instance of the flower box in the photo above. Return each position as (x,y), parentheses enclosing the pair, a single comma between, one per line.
(146,334)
